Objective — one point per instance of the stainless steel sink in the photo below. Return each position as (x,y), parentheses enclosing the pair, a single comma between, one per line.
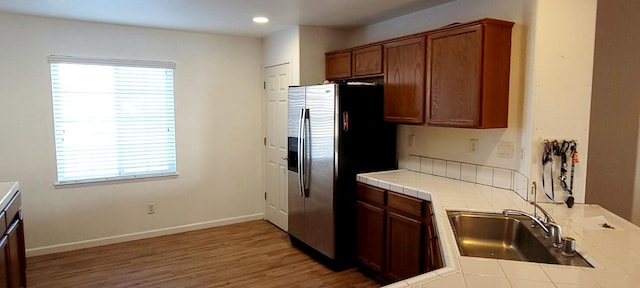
(496,236)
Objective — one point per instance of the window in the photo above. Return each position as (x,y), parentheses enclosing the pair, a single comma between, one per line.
(113,119)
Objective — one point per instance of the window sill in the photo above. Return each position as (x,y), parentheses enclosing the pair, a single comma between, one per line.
(115,179)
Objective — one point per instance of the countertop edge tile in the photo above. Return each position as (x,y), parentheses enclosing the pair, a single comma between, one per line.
(383,184)
(7,189)
(399,284)
(410,191)
(423,278)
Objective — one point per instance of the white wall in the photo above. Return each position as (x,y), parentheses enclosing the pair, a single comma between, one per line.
(284,47)
(551,66)
(304,48)
(218,117)
(314,42)
(561,81)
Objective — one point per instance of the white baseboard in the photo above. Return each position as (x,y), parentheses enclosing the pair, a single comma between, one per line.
(139,235)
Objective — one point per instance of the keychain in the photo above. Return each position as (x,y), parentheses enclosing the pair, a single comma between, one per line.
(560,149)
(574,160)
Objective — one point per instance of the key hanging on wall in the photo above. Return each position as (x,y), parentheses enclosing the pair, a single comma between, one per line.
(559,149)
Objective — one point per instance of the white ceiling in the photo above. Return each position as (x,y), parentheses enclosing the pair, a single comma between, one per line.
(222,16)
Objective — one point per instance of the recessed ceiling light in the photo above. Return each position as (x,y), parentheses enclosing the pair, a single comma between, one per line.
(260,19)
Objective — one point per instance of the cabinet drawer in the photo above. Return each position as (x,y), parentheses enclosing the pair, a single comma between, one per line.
(370,194)
(3,221)
(12,208)
(409,205)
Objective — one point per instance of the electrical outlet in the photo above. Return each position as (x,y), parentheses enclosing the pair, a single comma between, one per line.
(474,145)
(151,208)
(505,149)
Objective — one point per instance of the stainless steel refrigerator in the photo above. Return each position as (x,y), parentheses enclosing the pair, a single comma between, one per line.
(334,132)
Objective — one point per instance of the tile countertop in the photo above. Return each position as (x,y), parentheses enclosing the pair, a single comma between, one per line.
(615,253)
(7,189)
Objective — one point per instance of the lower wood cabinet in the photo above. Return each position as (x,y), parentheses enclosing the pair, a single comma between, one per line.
(396,234)
(12,249)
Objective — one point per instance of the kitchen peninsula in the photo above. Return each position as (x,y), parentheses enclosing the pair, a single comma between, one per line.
(615,253)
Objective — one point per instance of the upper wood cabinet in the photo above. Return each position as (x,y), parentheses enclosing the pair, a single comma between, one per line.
(468,75)
(367,61)
(404,72)
(356,63)
(454,76)
(338,65)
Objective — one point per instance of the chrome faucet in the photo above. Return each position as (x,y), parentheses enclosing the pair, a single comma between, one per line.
(536,220)
(551,228)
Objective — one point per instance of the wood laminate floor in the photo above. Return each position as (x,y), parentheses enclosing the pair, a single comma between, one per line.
(251,254)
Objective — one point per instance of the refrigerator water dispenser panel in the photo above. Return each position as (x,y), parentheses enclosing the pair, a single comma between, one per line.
(292,154)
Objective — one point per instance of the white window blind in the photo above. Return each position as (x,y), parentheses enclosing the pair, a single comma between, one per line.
(113,119)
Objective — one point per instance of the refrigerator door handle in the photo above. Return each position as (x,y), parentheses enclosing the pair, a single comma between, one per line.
(305,161)
(301,152)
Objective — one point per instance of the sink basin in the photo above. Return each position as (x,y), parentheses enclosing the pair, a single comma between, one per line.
(492,235)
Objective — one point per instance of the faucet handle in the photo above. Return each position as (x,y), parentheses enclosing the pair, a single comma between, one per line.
(555,232)
(568,246)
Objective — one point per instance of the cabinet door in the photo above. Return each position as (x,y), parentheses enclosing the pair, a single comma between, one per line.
(17,262)
(4,262)
(370,236)
(454,77)
(432,255)
(404,246)
(367,61)
(338,65)
(404,92)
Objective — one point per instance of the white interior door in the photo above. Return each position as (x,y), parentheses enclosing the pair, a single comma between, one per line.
(277,83)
